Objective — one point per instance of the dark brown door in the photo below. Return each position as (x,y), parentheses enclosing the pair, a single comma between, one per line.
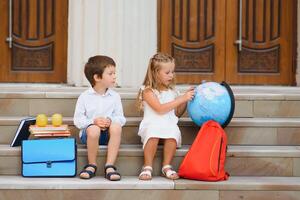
(266,56)
(189,33)
(38,52)
(202,35)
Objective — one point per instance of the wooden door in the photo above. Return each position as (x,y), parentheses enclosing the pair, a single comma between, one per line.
(202,35)
(38,51)
(267,52)
(189,32)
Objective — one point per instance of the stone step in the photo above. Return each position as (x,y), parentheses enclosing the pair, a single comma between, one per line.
(250,101)
(241,160)
(241,131)
(130,188)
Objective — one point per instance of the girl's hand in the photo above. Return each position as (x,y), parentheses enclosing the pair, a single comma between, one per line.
(189,94)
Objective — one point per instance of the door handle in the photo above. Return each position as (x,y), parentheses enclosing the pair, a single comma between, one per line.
(9,38)
(239,41)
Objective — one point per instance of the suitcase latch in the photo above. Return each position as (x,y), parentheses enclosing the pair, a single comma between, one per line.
(49,164)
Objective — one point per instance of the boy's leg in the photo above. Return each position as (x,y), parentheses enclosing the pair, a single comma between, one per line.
(115,131)
(169,152)
(93,133)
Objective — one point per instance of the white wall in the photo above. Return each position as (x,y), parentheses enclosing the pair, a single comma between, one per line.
(125,31)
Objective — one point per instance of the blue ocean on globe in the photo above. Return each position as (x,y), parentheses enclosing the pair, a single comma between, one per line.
(212,101)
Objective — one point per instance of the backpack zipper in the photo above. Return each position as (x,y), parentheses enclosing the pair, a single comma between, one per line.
(212,153)
(220,150)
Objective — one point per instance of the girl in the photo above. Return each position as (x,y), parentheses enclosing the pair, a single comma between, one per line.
(162,106)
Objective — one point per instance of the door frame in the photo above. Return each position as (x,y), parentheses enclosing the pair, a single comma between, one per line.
(296,40)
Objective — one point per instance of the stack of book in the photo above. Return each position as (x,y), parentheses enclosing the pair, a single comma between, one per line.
(50,131)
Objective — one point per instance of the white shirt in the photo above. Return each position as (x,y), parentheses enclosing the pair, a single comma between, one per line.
(91,105)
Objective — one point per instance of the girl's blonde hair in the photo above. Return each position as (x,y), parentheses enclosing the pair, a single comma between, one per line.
(151,79)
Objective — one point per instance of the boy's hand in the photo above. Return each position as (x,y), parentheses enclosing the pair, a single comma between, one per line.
(108,122)
(102,122)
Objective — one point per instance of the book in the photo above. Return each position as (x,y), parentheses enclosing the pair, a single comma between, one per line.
(50,132)
(53,135)
(63,127)
(22,132)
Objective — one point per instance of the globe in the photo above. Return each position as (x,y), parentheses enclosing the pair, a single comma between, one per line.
(212,101)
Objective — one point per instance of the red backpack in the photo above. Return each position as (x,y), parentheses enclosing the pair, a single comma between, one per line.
(206,158)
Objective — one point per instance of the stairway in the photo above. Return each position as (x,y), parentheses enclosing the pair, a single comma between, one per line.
(263,155)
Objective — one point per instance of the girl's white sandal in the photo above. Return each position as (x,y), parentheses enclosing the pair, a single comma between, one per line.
(146,172)
(169,173)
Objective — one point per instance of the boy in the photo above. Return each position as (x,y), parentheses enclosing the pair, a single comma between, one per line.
(98,113)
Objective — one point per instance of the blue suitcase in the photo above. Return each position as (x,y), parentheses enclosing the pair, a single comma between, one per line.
(49,158)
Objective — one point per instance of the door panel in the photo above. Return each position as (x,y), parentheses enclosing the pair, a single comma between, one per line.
(267,42)
(189,32)
(202,35)
(39,47)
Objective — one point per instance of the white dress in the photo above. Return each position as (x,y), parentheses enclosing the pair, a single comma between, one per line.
(156,125)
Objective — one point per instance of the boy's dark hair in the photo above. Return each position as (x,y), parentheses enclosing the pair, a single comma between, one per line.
(96,65)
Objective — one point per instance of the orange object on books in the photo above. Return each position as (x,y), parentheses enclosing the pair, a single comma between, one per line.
(57,119)
(41,120)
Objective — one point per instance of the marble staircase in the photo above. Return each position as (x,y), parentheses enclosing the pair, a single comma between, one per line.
(263,156)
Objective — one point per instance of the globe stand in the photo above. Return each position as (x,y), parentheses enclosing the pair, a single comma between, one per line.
(232,104)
